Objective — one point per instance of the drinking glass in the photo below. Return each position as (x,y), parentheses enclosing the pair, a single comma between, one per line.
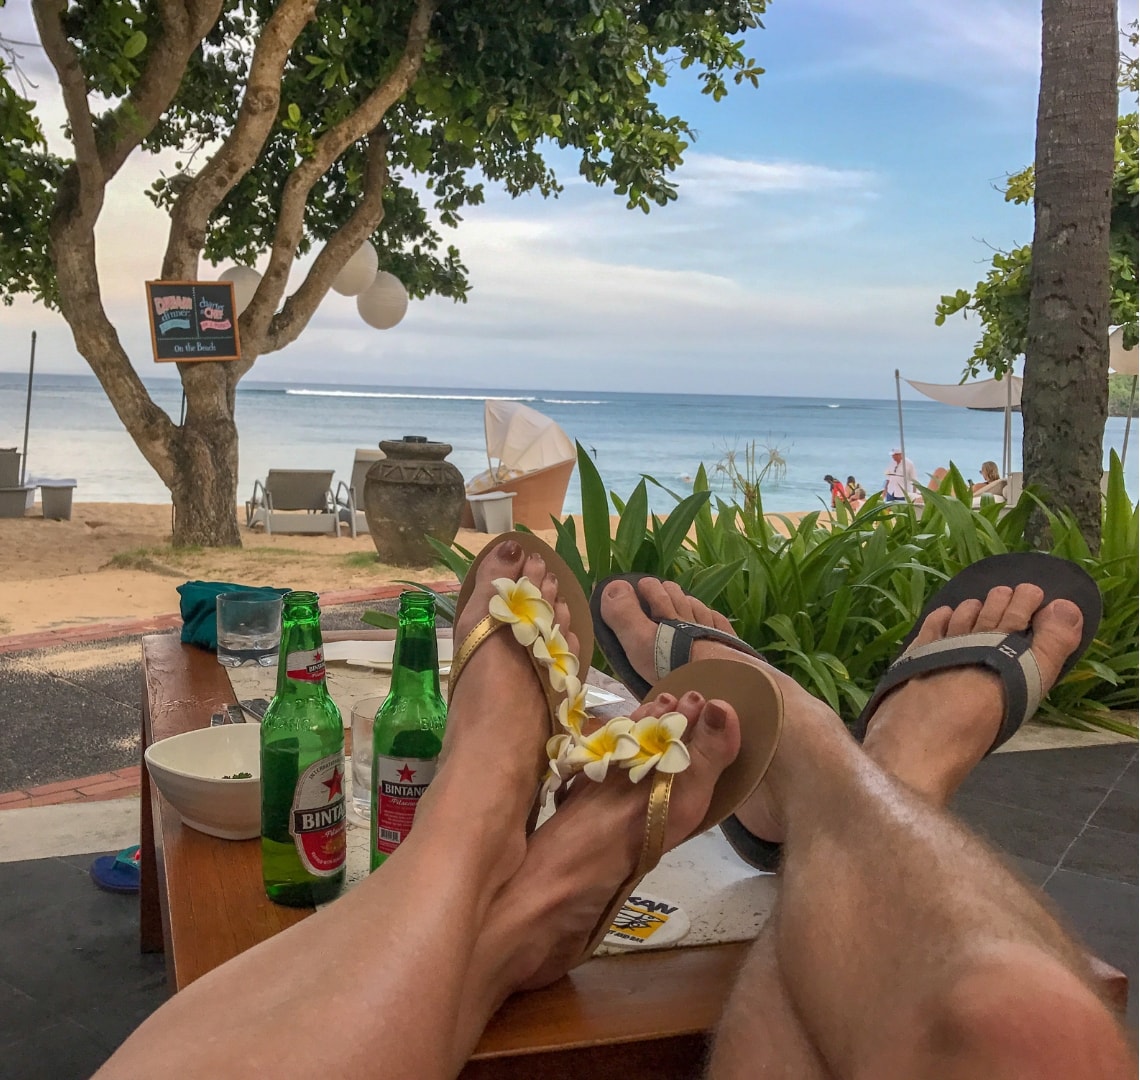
(363,716)
(249,629)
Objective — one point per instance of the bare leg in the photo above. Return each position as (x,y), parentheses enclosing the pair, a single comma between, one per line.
(540,924)
(394,950)
(862,968)
(907,949)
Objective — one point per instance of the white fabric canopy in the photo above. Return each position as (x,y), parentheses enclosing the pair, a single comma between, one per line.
(1121,360)
(983,394)
(522,438)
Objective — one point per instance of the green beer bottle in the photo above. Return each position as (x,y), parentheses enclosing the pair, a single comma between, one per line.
(302,768)
(408,733)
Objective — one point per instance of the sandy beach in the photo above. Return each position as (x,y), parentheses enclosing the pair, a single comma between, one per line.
(114,561)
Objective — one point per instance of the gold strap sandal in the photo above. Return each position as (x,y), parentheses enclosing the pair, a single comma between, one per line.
(760,705)
(548,640)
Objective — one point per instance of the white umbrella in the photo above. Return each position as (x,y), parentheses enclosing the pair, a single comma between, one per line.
(988,394)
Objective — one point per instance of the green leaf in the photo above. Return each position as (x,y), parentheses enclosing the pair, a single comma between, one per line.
(595,516)
(134,45)
(631,529)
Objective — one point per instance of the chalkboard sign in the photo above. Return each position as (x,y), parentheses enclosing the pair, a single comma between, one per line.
(192,320)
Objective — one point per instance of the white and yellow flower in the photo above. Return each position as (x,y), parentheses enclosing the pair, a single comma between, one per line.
(554,653)
(521,605)
(612,742)
(559,771)
(659,746)
(572,712)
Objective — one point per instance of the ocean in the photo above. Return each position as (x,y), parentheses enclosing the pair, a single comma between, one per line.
(74,432)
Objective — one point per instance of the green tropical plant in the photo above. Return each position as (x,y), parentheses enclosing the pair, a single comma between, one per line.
(828,599)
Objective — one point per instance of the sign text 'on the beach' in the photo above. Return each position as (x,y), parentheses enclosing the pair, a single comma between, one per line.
(193,320)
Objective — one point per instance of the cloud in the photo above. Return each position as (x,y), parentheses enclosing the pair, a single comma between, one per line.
(984,47)
(712,178)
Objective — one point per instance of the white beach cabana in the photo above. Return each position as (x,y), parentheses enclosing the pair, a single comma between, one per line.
(527,454)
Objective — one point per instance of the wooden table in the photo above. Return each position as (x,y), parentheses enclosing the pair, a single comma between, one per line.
(202,902)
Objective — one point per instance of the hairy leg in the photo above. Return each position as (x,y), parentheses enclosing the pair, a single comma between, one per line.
(395,948)
(930,733)
(906,947)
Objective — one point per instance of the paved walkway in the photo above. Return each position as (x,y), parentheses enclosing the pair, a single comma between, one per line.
(74,702)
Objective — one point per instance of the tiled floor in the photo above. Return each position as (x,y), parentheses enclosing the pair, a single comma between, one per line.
(73,985)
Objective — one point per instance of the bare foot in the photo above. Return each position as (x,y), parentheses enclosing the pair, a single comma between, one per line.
(497,718)
(933,730)
(541,923)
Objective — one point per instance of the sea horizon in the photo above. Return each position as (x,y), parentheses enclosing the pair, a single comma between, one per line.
(74,432)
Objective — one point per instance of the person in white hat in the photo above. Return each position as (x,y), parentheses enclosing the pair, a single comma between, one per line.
(900,478)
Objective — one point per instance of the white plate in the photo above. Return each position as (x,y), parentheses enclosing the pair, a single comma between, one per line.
(378,654)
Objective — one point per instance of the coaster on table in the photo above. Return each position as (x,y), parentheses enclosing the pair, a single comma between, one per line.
(647,921)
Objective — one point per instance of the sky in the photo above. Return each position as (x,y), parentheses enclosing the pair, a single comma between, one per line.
(819,219)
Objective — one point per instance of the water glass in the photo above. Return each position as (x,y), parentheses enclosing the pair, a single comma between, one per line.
(249,629)
(363,716)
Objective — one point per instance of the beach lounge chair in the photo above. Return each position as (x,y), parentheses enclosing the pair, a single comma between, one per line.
(294,501)
(350,496)
(994,491)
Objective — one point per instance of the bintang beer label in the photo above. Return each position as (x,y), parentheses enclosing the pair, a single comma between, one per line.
(306,666)
(399,784)
(317,821)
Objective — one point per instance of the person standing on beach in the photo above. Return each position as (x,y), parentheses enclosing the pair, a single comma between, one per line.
(901,478)
(838,491)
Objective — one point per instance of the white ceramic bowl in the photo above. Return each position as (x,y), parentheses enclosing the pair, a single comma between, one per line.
(188,770)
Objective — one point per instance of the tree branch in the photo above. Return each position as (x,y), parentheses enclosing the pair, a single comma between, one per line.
(287,325)
(184,25)
(243,146)
(364,118)
(90,181)
(78,205)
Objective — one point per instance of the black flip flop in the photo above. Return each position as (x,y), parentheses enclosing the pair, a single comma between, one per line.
(672,649)
(1006,654)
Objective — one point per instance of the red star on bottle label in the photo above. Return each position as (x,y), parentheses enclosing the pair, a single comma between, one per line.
(335,784)
(406,774)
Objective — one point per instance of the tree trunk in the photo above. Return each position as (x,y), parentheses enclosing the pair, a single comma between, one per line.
(1065,394)
(205,457)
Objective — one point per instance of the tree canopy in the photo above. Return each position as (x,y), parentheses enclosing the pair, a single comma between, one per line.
(317,125)
(284,94)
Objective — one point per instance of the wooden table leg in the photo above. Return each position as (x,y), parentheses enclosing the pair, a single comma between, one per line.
(150,915)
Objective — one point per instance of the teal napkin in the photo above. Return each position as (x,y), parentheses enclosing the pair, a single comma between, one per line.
(200,608)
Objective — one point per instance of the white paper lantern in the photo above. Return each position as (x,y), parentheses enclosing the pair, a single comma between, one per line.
(1122,361)
(358,273)
(246,281)
(384,302)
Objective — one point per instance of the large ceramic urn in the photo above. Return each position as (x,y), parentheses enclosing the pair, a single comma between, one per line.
(410,494)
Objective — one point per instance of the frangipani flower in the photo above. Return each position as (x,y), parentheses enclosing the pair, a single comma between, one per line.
(520,604)
(553,651)
(611,742)
(658,746)
(572,712)
(557,747)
